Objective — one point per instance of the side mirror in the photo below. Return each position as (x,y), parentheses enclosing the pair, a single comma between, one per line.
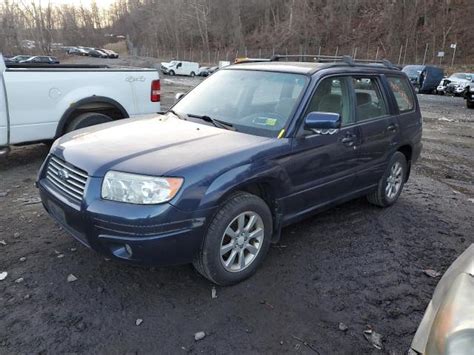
(322,120)
(178,96)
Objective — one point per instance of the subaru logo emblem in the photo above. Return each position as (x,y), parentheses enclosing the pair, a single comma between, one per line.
(63,174)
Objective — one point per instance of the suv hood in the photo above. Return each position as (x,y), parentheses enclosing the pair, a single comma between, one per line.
(153,146)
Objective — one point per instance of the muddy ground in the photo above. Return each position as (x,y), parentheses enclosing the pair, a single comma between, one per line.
(355,264)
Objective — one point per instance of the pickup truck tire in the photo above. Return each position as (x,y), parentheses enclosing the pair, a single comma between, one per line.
(391,184)
(171,73)
(193,74)
(86,120)
(249,220)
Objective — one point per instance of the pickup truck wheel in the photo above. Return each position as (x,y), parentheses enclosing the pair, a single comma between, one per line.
(391,184)
(193,74)
(171,73)
(86,120)
(237,240)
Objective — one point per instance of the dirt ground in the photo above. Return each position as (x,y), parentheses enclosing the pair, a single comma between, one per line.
(355,264)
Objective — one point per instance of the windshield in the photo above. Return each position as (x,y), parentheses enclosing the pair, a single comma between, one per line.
(255,102)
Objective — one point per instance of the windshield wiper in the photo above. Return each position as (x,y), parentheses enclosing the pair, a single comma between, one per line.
(177,114)
(217,123)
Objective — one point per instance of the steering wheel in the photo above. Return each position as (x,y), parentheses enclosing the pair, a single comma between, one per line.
(260,118)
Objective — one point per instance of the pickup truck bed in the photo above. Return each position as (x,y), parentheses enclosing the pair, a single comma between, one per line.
(42,102)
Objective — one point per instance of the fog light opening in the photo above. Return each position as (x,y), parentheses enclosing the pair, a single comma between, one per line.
(129,250)
(123,251)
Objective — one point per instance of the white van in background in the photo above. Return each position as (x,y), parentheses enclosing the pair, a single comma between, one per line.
(179,67)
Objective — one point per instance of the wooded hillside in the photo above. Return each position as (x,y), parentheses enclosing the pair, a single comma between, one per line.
(404,31)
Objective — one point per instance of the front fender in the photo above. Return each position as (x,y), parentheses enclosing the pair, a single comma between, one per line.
(267,173)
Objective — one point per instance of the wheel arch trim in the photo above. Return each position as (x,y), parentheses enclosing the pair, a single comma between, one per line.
(91,99)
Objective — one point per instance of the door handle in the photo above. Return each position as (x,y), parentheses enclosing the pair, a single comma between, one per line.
(392,128)
(349,141)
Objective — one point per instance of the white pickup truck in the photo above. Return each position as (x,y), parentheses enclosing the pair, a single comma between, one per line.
(40,103)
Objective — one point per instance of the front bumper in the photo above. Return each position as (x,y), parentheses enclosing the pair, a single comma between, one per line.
(455,89)
(150,235)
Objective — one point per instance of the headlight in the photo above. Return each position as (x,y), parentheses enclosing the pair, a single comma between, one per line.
(139,189)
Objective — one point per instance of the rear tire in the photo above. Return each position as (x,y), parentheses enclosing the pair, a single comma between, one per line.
(237,240)
(391,184)
(193,74)
(86,120)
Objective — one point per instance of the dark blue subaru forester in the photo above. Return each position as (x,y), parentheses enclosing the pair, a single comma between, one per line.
(253,148)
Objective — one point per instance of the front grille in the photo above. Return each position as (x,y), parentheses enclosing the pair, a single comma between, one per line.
(68,179)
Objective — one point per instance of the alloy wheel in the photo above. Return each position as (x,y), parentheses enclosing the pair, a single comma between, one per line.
(394,181)
(242,241)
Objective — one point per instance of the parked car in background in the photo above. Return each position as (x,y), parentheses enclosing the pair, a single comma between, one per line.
(212,70)
(443,84)
(458,83)
(469,95)
(253,148)
(177,67)
(18,58)
(97,53)
(447,327)
(111,54)
(41,59)
(78,51)
(425,78)
(63,98)
(203,71)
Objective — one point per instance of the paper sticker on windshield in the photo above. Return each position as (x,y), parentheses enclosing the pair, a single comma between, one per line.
(265,121)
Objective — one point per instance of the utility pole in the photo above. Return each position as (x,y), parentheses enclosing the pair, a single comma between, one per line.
(426,51)
(454,46)
(406,48)
(400,55)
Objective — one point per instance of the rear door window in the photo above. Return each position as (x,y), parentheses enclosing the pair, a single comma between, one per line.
(370,102)
(402,92)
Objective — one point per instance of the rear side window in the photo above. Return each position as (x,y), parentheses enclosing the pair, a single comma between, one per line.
(369,99)
(403,93)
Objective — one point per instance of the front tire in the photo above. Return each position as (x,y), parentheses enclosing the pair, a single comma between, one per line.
(391,184)
(171,73)
(237,240)
(86,120)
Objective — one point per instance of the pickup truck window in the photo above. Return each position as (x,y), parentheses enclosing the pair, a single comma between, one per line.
(369,100)
(402,92)
(254,102)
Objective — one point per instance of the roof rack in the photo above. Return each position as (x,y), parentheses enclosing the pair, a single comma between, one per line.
(347,59)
